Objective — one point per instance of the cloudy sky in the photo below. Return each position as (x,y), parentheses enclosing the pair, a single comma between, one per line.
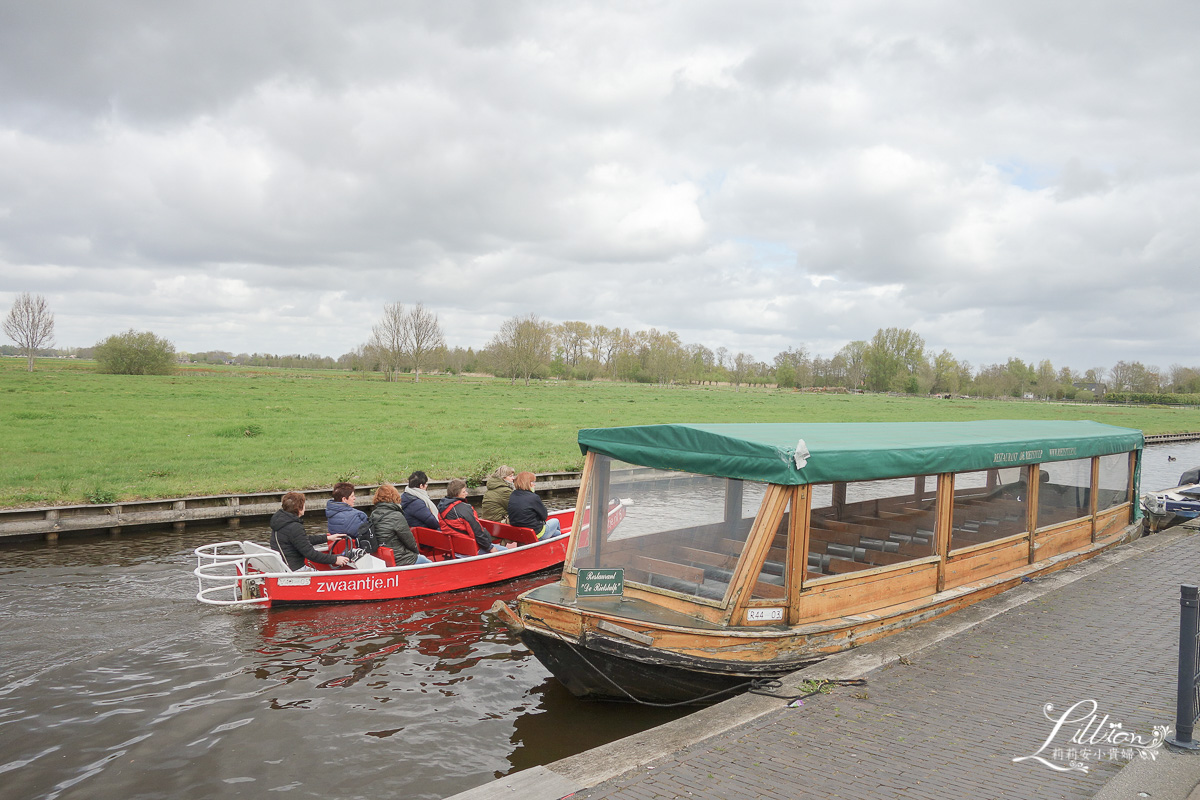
(1006,179)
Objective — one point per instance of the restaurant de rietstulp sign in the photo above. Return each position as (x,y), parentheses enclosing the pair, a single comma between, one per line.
(600,583)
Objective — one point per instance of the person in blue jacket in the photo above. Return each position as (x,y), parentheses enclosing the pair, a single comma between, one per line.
(418,509)
(340,513)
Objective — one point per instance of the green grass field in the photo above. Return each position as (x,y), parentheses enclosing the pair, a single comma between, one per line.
(74,436)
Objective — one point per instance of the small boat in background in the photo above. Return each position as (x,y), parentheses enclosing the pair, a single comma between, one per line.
(1172,505)
(240,573)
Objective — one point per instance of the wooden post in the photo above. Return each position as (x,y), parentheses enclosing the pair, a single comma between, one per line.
(1092,499)
(1033,477)
(587,492)
(180,506)
(943,524)
(839,500)
(758,542)
(798,538)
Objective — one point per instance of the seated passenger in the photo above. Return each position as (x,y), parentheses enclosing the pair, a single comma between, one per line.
(340,513)
(418,509)
(495,499)
(458,515)
(290,541)
(526,509)
(391,528)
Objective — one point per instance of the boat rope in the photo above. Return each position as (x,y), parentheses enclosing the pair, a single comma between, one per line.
(759,686)
(811,686)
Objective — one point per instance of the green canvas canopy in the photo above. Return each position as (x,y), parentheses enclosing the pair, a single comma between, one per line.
(798,453)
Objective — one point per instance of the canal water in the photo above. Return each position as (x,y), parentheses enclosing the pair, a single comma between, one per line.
(116,683)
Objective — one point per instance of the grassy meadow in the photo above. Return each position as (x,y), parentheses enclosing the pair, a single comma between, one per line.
(71,435)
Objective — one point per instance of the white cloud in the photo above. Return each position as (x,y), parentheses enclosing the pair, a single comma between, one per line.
(1003,180)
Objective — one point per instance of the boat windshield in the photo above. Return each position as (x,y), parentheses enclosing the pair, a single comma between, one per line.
(681,532)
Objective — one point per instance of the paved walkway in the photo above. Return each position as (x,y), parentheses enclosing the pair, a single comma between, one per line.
(946,709)
(947,721)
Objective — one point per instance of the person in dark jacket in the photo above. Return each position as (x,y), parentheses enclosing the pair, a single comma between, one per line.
(418,509)
(340,513)
(458,515)
(290,541)
(391,528)
(499,489)
(526,509)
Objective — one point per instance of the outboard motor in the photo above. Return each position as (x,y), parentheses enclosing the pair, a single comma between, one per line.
(1190,477)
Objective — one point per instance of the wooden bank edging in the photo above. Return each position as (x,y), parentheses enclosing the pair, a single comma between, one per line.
(49,522)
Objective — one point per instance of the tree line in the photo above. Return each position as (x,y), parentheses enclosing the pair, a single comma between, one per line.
(526,348)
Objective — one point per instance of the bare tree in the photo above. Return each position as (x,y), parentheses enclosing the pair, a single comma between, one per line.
(386,346)
(30,324)
(421,337)
(743,365)
(405,338)
(523,346)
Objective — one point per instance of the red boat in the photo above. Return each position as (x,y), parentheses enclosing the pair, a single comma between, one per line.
(247,574)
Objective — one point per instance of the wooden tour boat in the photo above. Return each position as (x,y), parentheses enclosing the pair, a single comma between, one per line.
(247,574)
(749,551)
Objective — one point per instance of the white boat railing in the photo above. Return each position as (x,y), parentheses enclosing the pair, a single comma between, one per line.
(236,569)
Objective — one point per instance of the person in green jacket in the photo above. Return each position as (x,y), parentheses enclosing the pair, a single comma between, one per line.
(391,528)
(495,499)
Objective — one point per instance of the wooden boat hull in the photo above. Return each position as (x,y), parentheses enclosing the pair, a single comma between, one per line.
(607,653)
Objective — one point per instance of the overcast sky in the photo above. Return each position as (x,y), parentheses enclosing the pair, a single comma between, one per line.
(1016,179)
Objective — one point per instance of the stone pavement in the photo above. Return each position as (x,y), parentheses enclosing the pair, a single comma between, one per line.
(946,709)
(947,721)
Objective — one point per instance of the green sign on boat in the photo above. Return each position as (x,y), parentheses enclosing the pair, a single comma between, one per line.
(600,583)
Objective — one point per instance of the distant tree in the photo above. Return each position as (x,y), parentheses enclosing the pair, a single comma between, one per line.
(523,347)
(743,368)
(30,324)
(1185,380)
(386,347)
(405,338)
(793,367)
(135,353)
(947,373)
(854,357)
(894,360)
(422,338)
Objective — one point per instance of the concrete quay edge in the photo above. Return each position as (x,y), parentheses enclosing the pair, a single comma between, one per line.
(585,770)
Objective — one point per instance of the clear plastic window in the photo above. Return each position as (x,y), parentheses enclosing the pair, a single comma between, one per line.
(989,504)
(867,524)
(1064,491)
(677,531)
(1115,481)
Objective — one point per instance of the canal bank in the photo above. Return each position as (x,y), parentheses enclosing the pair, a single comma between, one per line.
(960,707)
(176,514)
